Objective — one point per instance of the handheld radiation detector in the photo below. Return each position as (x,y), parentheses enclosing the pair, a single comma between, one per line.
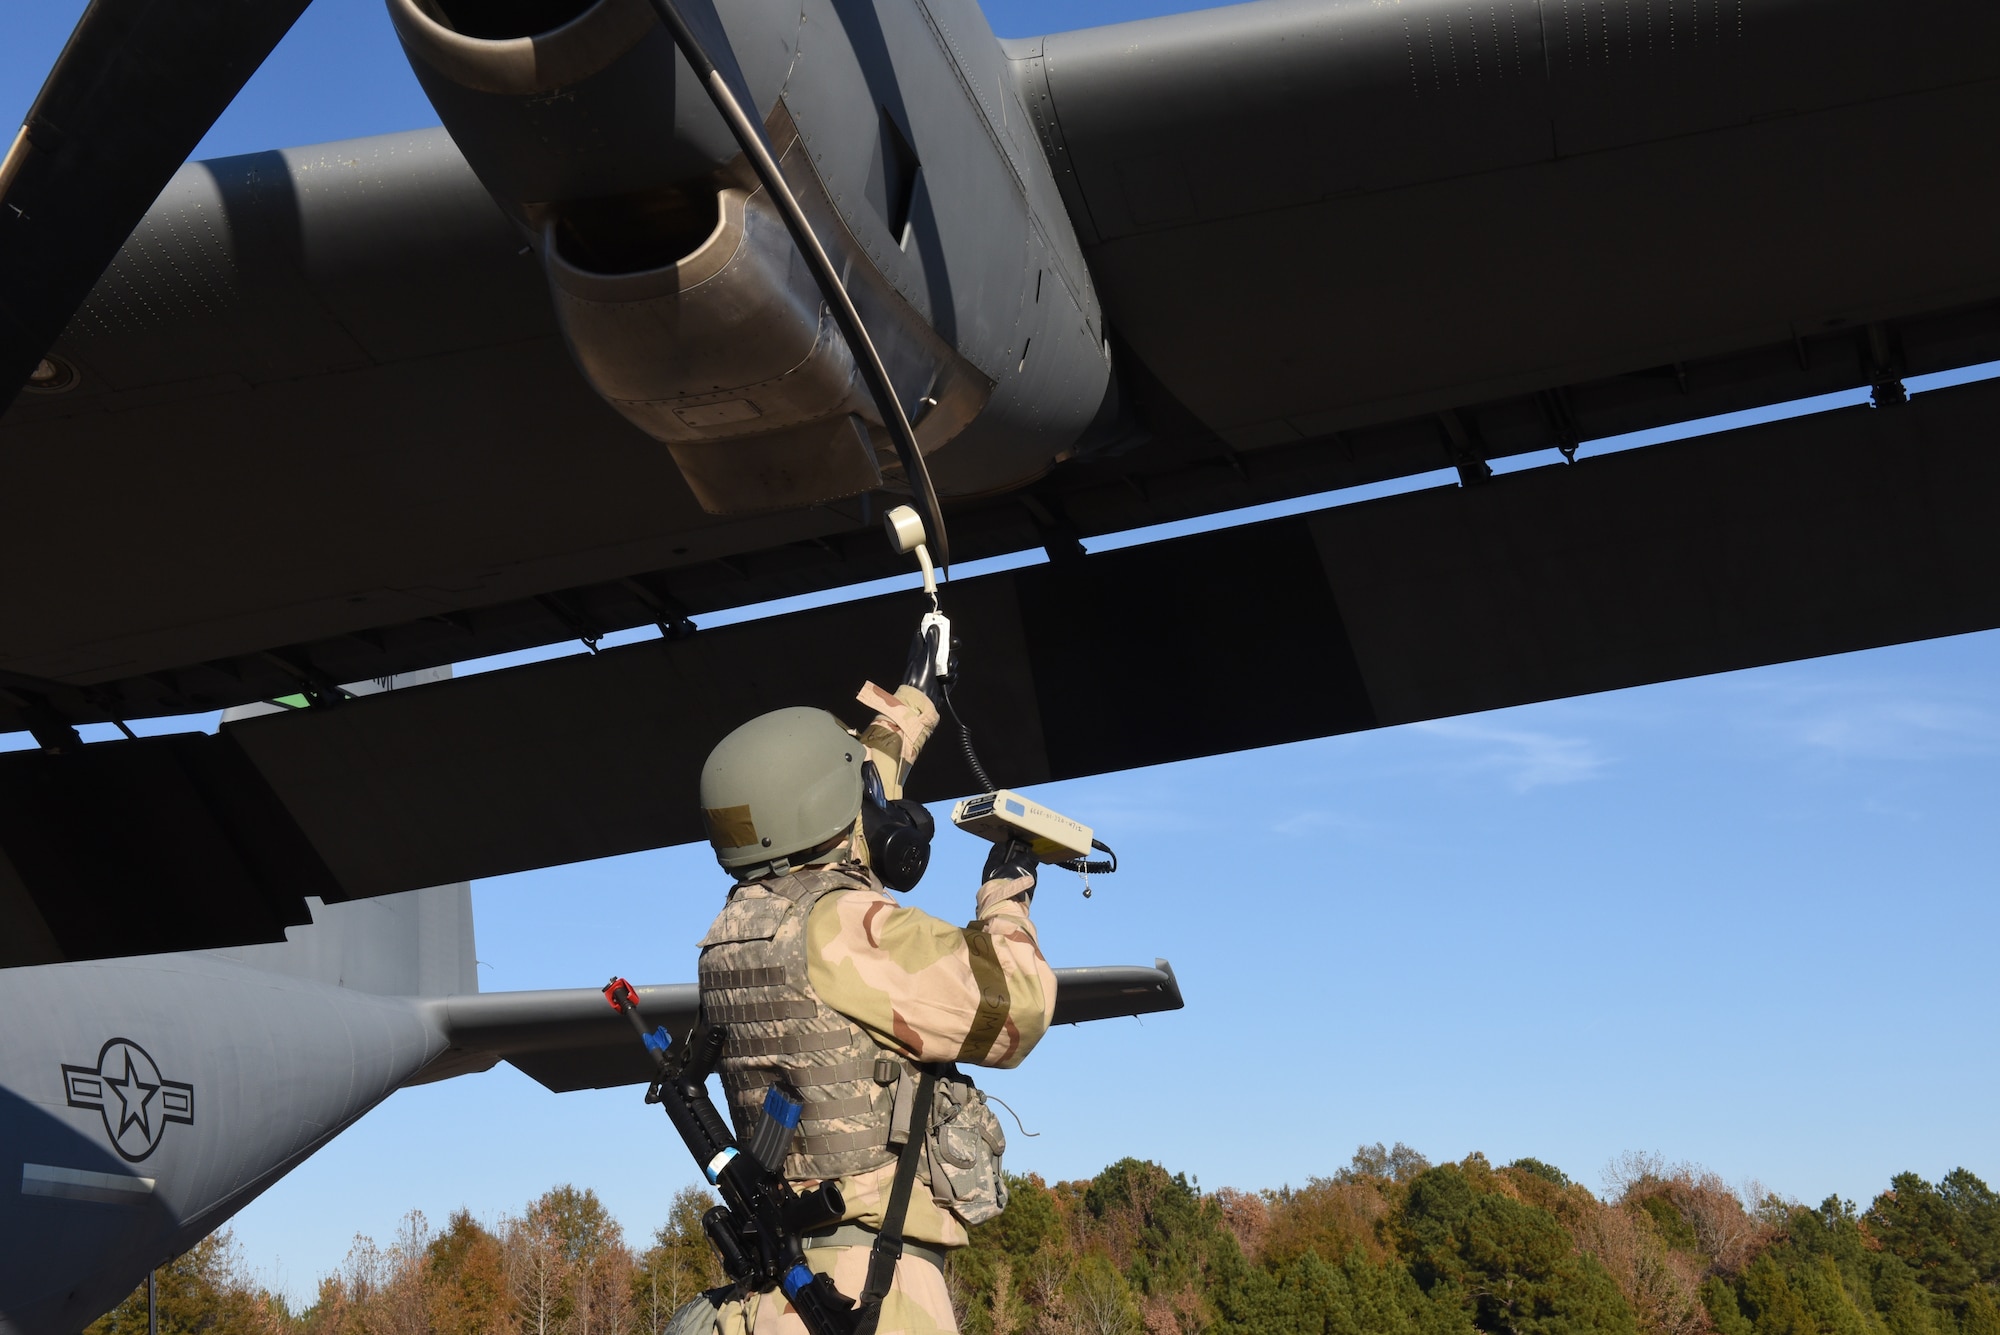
(1002,815)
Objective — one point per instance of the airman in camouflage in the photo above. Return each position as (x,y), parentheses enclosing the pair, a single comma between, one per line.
(824,981)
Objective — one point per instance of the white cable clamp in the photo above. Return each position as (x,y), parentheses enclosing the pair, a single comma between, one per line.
(941,656)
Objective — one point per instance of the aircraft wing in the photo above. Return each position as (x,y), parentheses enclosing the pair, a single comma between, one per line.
(570,1039)
(327,417)
(1311,221)
(325,426)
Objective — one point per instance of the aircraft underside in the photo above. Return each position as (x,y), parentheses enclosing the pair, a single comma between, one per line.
(337,413)
(554,370)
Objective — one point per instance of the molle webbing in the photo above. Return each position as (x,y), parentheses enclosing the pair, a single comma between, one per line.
(733,1013)
(786,1044)
(806,1077)
(755,980)
(845,1142)
(734,978)
(816,1110)
(828,1109)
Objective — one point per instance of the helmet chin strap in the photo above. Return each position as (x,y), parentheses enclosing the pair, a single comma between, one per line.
(849,849)
(835,850)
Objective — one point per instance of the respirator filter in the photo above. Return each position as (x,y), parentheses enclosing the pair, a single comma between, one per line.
(898,832)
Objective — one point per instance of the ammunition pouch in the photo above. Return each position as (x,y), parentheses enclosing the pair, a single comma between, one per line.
(962,1152)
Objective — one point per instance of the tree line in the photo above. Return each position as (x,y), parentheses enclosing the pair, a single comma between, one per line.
(561,1267)
(1389,1245)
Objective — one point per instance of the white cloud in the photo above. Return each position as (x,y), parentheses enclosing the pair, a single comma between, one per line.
(1876,721)
(1525,759)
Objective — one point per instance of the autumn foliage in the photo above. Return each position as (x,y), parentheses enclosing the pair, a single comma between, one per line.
(560,1267)
(1389,1245)
(1393,1245)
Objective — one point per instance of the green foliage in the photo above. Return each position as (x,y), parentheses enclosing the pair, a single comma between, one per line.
(1922,1261)
(1030,1222)
(201,1292)
(1672,1226)
(1948,1234)
(1515,1266)
(1389,1245)
(1720,1301)
(1548,1172)
(1307,1296)
(1158,1225)
(1118,1255)
(1006,1257)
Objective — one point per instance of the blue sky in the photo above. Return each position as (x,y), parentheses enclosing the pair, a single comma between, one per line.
(1746,920)
(1743,920)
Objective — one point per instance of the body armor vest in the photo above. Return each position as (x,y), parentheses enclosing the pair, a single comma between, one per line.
(754,981)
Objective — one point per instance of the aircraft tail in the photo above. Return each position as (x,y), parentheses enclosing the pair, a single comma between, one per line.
(418,944)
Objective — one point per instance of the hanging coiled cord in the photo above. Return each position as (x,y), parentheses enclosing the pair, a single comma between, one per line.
(1088,867)
(1081,866)
(965,739)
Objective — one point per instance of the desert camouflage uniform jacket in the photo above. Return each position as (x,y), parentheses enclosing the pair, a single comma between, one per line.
(920,986)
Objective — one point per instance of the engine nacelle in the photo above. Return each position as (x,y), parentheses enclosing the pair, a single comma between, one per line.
(730,356)
(678,287)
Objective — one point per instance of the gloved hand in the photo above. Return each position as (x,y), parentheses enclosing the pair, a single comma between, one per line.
(921,669)
(1007,885)
(1010,861)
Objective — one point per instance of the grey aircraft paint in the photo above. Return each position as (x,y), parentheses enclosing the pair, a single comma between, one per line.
(145,1101)
(914,153)
(1326,267)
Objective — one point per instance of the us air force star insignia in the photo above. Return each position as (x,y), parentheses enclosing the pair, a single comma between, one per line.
(136,1102)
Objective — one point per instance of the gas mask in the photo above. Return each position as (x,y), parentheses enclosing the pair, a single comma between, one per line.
(898,833)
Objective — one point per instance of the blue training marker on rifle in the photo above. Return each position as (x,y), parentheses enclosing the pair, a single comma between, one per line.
(800,1276)
(772,1139)
(659,1040)
(782,1109)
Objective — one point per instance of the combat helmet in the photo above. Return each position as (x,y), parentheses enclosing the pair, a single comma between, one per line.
(779,787)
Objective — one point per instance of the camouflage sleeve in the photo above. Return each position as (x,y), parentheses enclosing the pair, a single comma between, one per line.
(903,722)
(980,994)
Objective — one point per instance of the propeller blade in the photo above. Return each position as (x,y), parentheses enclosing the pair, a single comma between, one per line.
(135,89)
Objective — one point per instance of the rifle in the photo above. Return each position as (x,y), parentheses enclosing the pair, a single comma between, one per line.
(757,1228)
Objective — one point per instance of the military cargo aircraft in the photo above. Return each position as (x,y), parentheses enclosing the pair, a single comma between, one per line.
(577,379)
(144,1101)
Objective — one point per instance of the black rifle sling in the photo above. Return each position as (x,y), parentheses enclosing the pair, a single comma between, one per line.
(888,1248)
